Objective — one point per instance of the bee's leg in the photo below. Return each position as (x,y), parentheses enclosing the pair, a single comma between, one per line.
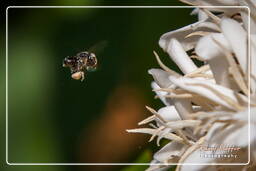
(82,76)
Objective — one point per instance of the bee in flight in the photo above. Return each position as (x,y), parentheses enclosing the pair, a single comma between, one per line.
(80,63)
(83,61)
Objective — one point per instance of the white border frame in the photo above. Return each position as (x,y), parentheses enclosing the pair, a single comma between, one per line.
(75,164)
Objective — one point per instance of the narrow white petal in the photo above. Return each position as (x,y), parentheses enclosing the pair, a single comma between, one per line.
(208,89)
(180,57)
(207,48)
(181,33)
(237,38)
(161,94)
(169,113)
(161,77)
(183,106)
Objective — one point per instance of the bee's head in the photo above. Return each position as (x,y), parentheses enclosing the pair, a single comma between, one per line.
(91,62)
(91,56)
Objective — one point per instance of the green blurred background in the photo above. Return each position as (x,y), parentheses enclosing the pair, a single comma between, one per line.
(54,119)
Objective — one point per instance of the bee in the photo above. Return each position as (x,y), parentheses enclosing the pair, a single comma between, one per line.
(80,63)
(84,61)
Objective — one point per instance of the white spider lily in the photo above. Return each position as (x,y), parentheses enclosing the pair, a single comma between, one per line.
(207,107)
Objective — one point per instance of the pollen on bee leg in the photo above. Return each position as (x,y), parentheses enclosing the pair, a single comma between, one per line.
(78,76)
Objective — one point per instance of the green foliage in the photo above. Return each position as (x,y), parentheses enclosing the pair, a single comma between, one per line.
(144,157)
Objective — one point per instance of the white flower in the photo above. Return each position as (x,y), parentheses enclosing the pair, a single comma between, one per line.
(206,114)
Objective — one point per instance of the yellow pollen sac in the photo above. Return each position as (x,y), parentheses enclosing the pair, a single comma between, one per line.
(77,75)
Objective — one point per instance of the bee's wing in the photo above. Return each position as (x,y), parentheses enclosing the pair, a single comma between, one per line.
(98,47)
